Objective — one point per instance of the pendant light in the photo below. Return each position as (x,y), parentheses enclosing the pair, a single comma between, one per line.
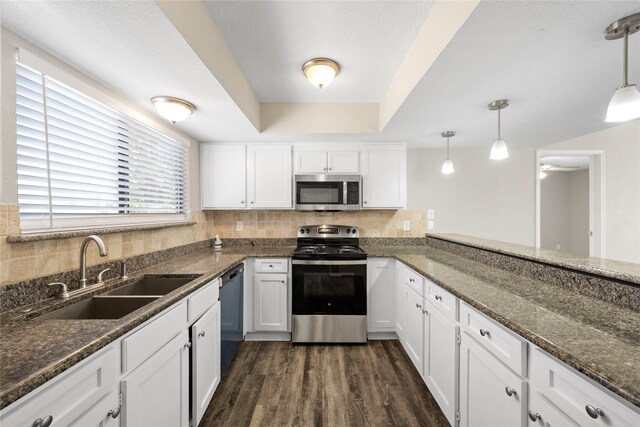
(625,104)
(499,149)
(320,71)
(447,166)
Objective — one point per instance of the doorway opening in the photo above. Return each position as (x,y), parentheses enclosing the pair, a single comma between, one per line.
(570,201)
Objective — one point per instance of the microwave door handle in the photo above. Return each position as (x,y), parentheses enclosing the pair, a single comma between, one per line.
(344,192)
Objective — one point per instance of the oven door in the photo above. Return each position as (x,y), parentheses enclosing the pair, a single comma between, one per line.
(329,287)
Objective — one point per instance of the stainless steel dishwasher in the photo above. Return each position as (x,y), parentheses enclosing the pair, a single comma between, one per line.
(231,312)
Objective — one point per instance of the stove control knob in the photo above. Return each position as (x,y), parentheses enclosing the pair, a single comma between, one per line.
(308,231)
(348,230)
(302,231)
(354,231)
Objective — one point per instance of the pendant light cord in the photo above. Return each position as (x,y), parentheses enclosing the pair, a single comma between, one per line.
(499,123)
(447,148)
(625,69)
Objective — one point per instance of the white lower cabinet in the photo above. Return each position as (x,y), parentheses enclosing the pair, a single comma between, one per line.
(543,414)
(400,301)
(205,361)
(440,370)
(270,300)
(157,393)
(414,327)
(105,413)
(491,394)
(381,277)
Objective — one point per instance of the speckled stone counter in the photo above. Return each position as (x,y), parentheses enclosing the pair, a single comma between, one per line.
(34,351)
(596,337)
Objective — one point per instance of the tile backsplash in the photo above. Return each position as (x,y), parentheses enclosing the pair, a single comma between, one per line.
(25,260)
(372,223)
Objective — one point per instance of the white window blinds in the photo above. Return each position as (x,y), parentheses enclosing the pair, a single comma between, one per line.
(81,163)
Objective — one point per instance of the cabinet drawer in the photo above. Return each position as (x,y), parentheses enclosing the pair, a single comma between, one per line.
(572,393)
(414,280)
(272,265)
(444,301)
(500,341)
(68,396)
(145,342)
(201,301)
(544,414)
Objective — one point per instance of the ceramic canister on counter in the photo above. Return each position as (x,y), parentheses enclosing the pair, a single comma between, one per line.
(217,243)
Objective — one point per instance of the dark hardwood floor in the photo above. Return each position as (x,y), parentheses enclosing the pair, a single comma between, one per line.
(280,384)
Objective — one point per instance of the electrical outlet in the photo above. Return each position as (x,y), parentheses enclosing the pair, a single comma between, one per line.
(558,246)
(239,226)
(431,214)
(406,225)
(430,225)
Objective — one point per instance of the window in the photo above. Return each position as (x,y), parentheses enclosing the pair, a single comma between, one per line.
(81,163)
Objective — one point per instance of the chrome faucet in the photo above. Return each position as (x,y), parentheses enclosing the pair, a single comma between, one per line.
(83,256)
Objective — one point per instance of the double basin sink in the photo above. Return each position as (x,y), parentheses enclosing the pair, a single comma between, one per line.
(122,300)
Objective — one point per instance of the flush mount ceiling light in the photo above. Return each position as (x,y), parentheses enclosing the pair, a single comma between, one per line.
(499,148)
(447,166)
(173,109)
(625,104)
(320,71)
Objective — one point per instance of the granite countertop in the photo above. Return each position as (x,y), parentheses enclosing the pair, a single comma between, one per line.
(618,270)
(597,338)
(34,351)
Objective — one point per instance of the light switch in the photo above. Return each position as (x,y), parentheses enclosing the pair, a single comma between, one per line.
(406,225)
(430,225)
(431,214)
(239,226)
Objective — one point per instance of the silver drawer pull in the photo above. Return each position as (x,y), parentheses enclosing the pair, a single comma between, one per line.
(510,391)
(438,298)
(201,334)
(484,332)
(594,412)
(187,345)
(46,422)
(411,280)
(113,413)
(534,416)
(425,311)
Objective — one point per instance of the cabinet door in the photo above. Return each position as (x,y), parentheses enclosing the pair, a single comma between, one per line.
(543,414)
(157,392)
(205,361)
(270,302)
(311,162)
(343,161)
(400,301)
(381,291)
(223,171)
(485,385)
(269,176)
(441,360)
(384,178)
(414,327)
(98,415)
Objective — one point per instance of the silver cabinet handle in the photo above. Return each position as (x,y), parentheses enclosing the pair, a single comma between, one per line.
(270,265)
(201,334)
(113,413)
(187,345)
(252,202)
(242,202)
(43,422)
(412,280)
(329,168)
(534,416)
(365,202)
(425,312)
(484,332)
(438,298)
(594,412)
(510,391)
(282,281)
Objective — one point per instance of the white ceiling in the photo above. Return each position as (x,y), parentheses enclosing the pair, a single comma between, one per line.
(549,58)
(272,39)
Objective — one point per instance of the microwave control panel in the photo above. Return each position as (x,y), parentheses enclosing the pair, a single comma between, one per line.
(353,193)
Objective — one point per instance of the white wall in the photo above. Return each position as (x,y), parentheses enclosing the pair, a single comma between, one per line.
(9,43)
(483,198)
(495,200)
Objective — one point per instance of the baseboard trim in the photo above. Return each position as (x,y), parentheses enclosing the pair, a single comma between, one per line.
(268,336)
(382,336)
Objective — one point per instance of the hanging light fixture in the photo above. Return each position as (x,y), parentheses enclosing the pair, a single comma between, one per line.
(320,71)
(447,166)
(499,149)
(625,104)
(173,109)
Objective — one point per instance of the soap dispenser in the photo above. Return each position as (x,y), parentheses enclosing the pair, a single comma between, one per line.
(217,243)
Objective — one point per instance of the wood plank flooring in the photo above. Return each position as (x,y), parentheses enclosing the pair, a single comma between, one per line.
(280,384)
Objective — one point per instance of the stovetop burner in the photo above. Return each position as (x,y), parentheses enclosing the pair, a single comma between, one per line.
(318,242)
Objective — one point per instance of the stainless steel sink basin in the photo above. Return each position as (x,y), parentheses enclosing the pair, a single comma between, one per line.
(100,308)
(151,286)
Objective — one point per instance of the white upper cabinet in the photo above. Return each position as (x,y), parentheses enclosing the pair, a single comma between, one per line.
(269,177)
(384,176)
(312,161)
(223,169)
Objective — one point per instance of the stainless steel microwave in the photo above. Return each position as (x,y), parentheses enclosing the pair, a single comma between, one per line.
(328,192)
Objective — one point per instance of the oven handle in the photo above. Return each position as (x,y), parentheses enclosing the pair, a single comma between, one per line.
(327,262)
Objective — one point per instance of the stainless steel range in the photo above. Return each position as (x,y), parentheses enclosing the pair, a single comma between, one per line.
(329,292)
